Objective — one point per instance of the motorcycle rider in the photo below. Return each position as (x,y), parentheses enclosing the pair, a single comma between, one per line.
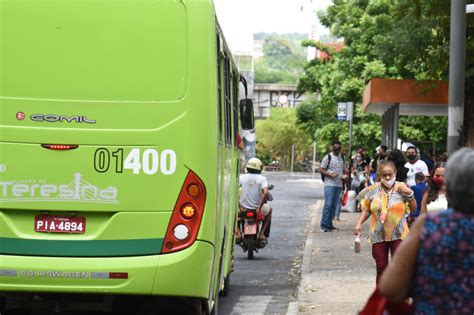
(254,194)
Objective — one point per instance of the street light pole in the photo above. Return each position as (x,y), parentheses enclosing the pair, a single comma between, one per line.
(457,57)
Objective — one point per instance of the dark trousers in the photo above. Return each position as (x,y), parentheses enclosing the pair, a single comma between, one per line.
(380,254)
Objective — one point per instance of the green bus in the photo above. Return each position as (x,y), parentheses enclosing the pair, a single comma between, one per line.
(118,155)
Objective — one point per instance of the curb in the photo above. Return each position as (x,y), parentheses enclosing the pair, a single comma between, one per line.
(293,307)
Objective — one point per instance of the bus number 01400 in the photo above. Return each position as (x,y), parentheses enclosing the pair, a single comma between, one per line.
(148,162)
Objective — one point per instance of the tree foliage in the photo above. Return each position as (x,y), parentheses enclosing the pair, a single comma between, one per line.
(278,133)
(383,39)
(283,59)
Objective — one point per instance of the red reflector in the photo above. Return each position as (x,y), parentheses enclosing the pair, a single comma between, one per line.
(250,214)
(60,147)
(118,275)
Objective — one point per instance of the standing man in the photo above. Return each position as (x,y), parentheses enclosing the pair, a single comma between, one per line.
(332,169)
(414,166)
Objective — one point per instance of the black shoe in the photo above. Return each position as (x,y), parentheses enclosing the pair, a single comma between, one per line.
(324,230)
(333,229)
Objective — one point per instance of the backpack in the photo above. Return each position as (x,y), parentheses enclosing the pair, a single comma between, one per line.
(329,163)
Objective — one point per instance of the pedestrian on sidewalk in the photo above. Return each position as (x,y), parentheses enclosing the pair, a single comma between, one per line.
(397,158)
(360,172)
(386,202)
(414,166)
(434,198)
(419,189)
(435,264)
(333,170)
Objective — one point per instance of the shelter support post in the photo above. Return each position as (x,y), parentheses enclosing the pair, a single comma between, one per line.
(457,56)
(395,117)
(390,126)
(384,139)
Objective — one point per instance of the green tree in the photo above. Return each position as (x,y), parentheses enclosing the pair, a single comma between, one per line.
(384,39)
(278,133)
(283,59)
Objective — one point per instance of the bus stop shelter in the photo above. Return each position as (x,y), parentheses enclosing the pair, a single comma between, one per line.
(392,98)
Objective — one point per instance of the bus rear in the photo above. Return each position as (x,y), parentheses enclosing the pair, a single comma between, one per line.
(106,144)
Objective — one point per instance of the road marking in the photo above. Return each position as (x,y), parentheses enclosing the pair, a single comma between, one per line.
(251,304)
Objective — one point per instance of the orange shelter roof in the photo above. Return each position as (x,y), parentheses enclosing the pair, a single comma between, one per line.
(416,98)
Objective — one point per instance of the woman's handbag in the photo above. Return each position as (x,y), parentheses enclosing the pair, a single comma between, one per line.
(378,305)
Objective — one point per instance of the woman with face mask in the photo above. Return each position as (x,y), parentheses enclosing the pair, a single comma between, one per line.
(385,202)
(435,264)
(434,198)
(360,171)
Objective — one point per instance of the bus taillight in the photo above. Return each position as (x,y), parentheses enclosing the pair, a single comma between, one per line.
(187,215)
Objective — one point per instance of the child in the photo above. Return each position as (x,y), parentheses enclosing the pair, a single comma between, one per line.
(418,190)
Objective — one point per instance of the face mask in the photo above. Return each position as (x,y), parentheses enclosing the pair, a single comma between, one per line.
(388,183)
(438,181)
(411,157)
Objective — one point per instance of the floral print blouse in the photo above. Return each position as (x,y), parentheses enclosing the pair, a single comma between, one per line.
(375,200)
(444,272)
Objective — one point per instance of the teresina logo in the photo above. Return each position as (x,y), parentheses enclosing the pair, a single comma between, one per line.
(61,118)
(78,190)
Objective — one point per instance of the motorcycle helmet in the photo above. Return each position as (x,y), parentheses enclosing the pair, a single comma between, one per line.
(254,164)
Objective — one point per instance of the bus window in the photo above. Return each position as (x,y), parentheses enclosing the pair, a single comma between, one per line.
(227,103)
(219,87)
(235,107)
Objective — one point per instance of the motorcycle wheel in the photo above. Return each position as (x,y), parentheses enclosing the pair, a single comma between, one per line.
(250,246)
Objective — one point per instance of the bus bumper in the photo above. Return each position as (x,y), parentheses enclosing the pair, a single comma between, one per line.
(185,273)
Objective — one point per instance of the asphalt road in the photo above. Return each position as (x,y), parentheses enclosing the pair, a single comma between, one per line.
(269,283)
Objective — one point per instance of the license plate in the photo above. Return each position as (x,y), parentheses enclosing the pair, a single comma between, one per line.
(250,229)
(60,224)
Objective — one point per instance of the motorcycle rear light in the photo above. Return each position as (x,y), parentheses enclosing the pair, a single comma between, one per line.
(250,214)
(60,147)
(187,215)
(193,190)
(188,211)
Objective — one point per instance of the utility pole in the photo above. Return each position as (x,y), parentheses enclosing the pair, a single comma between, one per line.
(314,158)
(292,158)
(457,57)
(350,117)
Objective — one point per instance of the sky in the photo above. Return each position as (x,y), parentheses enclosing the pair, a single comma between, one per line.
(240,19)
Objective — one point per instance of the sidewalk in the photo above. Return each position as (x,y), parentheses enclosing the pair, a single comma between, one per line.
(334,279)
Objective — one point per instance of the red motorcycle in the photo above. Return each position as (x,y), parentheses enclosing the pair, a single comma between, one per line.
(250,226)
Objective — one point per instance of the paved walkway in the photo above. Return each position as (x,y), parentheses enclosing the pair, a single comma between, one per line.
(335,279)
